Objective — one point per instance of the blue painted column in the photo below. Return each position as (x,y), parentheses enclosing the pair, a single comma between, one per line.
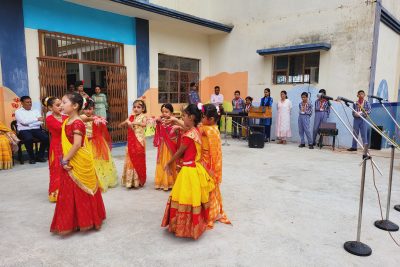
(12,47)
(142,56)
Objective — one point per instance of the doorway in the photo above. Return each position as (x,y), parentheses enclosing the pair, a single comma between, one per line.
(65,59)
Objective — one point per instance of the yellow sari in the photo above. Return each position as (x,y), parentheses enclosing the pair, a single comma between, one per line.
(187,209)
(83,172)
(5,148)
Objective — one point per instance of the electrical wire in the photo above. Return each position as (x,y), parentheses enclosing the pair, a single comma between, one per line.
(380,204)
(345,113)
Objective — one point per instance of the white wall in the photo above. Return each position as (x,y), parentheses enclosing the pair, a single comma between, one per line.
(167,40)
(130,63)
(346,24)
(32,53)
(388,61)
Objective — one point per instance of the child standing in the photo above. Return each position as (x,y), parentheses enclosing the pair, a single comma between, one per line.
(362,108)
(247,121)
(266,101)
(305,112)
(211,159)
(321,113)
(79,204)
(134,174)
(54,123)
(186,213)
(166,140)
(100,143)
(238,106)
(283,130)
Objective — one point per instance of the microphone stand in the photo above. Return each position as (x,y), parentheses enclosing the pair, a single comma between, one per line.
(357,247)
(225,135)
(385,224)
(396,207)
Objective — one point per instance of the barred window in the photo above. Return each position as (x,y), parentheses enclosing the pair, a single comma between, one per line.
(298,68)
(174,77)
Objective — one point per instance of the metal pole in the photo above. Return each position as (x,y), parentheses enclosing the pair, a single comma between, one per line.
(357,247)
(225,137)
(360,207)
(390,183)
(393,119)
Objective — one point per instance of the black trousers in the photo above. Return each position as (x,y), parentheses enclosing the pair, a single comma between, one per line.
(28,135)
(267,130)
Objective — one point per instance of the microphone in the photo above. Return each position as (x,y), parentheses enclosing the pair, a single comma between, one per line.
(378,98)
(326,97)
(345,100)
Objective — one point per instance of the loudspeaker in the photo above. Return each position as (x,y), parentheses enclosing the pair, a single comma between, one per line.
(256,140)
(376,139)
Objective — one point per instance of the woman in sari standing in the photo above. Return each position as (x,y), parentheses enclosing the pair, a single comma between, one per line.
(166,140)
(186,213)
(134,174)
(79,204)
(101,105)
(8,144)
(211,159)
(54,123)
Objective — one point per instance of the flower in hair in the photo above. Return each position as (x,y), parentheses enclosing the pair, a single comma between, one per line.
(84,102)
(45,101)
(200,106)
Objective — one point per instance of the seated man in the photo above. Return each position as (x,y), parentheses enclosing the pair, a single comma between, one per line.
(29,124)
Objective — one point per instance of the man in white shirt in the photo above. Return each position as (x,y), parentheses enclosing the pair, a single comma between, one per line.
(217,99)
(29,124)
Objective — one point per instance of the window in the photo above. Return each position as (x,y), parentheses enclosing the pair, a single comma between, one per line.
(174,77)
(296,68)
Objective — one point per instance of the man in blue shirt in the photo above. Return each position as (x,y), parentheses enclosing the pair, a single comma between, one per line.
(363,109)
(193,94)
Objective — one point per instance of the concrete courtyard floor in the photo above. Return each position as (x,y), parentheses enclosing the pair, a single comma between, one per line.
(288,206)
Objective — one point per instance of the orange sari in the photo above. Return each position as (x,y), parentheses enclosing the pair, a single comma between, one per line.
(166,140)
(211,159)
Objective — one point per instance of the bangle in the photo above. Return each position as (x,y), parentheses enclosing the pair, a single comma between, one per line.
(64,162)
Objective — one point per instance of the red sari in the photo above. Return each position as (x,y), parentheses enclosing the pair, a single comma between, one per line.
(55,154)
(76,209)
(134,174)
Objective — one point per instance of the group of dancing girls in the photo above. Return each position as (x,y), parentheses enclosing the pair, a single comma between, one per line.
(189,161)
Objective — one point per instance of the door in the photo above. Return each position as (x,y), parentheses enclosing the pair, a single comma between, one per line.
(116,84)
(52,78)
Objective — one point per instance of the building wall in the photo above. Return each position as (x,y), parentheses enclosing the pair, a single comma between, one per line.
(181,43)
(346,24)
(388,64)
(13,69)
(69,18)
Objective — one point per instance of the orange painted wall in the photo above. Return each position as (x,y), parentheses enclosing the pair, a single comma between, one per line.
(228,82)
